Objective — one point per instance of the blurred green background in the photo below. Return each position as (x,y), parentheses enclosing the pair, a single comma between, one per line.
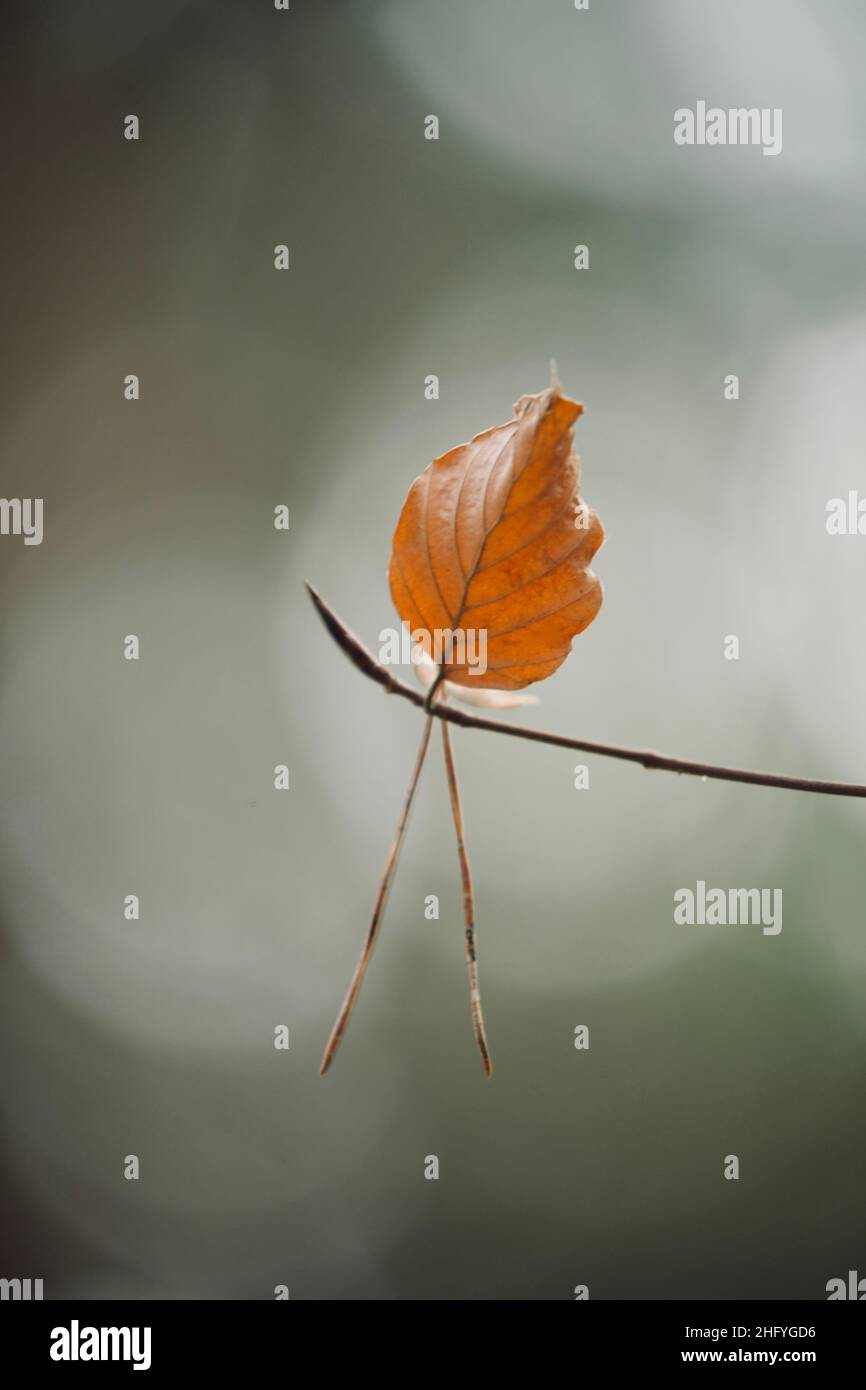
(411,257)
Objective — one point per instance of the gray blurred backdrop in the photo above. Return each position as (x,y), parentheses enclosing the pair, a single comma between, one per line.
(411,257)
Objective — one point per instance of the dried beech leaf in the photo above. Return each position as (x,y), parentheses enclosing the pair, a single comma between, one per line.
(493,538)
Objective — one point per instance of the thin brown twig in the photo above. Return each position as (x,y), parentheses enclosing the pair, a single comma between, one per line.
(348,1004)
(468,906)
(366,662)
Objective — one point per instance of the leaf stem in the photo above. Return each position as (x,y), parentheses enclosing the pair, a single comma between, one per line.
(468,906)
(348,1004)
(431,693)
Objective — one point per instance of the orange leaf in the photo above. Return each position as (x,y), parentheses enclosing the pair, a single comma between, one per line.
(493,539)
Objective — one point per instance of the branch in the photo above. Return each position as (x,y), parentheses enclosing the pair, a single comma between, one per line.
(366,662)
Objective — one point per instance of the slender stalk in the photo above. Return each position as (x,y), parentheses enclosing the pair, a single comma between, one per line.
(468,906)
(366,662)
(348,1004)
(431,693)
